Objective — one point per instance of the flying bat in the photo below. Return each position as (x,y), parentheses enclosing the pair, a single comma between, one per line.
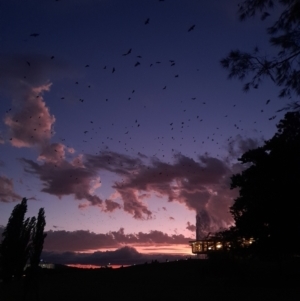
(128,52)
(191,28)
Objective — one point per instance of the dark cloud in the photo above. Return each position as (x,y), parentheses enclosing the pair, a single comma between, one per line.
(191,227)
(7,193)
(204,224)
(114,162)
(132,204)
(84,240)
(61,177)
(123,256)
(202,184)
(239,145)
(199,185)
(1,138)
(20,72)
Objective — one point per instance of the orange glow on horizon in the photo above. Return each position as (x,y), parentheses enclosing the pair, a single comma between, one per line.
(92,266)
(150,249)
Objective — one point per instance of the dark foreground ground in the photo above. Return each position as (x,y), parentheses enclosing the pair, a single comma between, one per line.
(182,280)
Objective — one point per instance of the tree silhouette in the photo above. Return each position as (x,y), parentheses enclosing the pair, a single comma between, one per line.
(267,208)
(284,68)
(38,239)
(22,241)
(12,251)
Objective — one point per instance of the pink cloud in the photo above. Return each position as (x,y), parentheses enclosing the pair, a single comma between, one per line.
(111,206)
(54,153)
(31,124)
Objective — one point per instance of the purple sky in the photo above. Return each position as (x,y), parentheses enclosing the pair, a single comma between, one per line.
(123,128)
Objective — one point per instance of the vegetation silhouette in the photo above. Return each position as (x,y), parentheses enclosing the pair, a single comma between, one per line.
(22,242)
(267,209)
(284,68)
(176,280)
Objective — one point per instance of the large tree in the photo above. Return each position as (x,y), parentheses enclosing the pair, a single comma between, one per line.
(23,241)
(268,206)
(284,68)
(38,237)
(12,250)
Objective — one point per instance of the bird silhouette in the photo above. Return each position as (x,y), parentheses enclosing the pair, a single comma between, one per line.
(147,21)
(128,52)
(191,28)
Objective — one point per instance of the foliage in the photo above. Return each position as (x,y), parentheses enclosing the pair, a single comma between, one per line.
(284,68)
(38,237)
(267,208)
(22,241)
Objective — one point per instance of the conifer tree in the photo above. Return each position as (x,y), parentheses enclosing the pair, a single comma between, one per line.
(13,241)
(23,241)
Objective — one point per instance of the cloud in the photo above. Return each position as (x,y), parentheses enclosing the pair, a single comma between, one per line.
(31,124)
(123,256)
(53,153)
(24,78)
(191,227)
(20,72)
(77,241)
(60,177)
(239,145)
(111,206)
(7,193)
(116,163)
(132,204)
(1,139)
(201,184)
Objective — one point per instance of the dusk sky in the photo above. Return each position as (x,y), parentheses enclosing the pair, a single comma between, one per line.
(118,119)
